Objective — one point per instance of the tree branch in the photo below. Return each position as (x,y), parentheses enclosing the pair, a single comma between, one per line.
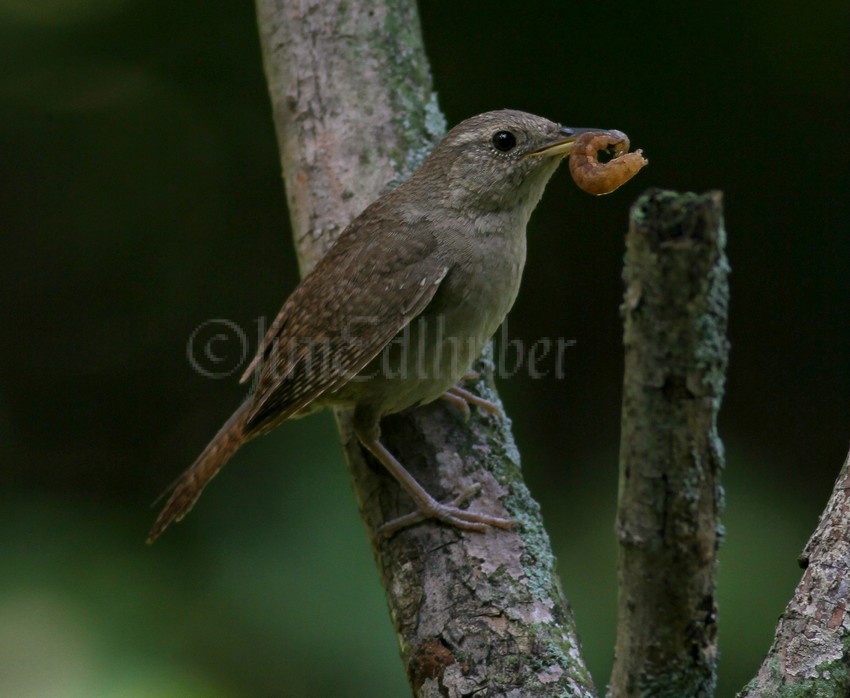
(354,111)
(810,655)
(675,314)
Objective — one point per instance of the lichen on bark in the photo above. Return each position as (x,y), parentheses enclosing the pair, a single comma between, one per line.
(675,313)
(810,655)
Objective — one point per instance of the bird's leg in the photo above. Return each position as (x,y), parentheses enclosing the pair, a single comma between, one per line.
(427,506)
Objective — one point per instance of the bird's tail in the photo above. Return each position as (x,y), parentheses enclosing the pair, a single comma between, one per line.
(188,487)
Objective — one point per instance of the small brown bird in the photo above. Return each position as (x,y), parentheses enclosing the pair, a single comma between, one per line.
(435,264)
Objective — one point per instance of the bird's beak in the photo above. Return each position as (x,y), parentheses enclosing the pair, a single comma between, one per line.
(562,144)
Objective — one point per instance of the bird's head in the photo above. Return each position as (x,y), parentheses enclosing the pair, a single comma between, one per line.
(499,160)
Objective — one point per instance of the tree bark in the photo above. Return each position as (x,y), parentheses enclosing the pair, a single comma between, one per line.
(479,614)
(675,314)
(810,655)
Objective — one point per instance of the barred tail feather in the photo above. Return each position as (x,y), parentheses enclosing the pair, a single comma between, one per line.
(188,487)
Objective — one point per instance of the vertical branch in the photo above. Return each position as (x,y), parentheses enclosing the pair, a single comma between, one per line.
(675,314)
(353,106)
(474,613)
(810,655)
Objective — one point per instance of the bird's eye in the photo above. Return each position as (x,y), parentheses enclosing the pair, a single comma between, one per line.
(504,141)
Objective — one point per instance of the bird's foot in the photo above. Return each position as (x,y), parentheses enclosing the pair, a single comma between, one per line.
(449,513)
(428,507)
(462,398)
(458,403)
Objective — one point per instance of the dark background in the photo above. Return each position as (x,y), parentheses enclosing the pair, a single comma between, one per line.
(141,197)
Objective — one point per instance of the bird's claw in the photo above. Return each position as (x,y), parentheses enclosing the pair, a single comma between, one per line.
(449,513)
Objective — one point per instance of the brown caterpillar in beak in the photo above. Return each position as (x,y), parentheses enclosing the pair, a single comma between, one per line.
(596,177)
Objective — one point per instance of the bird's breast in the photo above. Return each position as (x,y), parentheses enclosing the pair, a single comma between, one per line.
(469,306)
(481,288)
(438,346)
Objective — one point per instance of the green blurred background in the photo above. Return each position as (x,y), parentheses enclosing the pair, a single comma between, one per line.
(141,197)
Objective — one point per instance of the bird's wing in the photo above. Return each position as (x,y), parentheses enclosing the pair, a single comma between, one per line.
(360,295)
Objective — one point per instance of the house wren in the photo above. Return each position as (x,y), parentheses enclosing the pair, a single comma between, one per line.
(402,304)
